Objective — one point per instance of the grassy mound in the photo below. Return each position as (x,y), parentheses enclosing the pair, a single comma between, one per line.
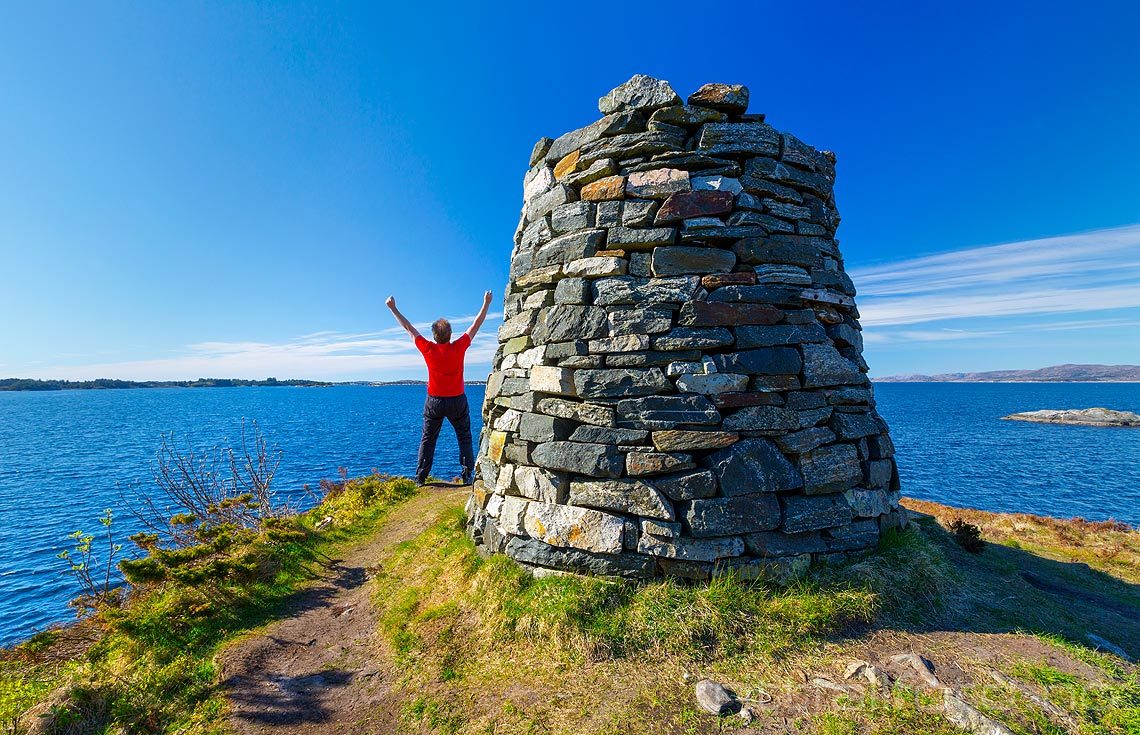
(481,646)
(461,627)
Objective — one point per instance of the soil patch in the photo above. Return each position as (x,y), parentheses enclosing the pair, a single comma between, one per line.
(320,669)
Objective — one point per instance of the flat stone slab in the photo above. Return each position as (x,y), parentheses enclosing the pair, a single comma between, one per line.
(1078,417)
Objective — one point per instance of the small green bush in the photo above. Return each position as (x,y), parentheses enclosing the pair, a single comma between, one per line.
(967,535)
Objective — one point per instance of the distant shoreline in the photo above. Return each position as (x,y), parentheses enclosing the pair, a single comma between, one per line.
(31,385)
(895,379)
(1068,373)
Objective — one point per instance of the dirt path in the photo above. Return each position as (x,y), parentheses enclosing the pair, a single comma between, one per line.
(319,670)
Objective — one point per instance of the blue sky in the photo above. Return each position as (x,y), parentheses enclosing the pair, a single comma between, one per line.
(232,189)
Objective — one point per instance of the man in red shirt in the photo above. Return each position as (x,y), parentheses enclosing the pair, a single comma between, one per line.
(445,398)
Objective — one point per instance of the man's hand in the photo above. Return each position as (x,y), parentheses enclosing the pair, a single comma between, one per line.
(391,303)
(474,328)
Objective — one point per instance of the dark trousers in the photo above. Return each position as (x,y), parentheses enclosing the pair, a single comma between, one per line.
(455,410)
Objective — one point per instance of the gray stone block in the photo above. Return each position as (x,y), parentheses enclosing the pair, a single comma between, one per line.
(618,382)
(691,549)
(641,464)
(571,246)
(805,440)
(831,468)
(735,515)
(752,466)
(762,418)
(679,260)
(620,123)
(756,139)
(573,291)
(666,412)
(586,413)
(572,216)
(641,238)
(763,361)
(637,320)
(608,435)
(536,427)
(566,322)
(693,338)
(824,366)
(640,93)
(593,460)
(804,513)
(529,551)
(776,543)
(649,358)
(636,497)
(780,334)
(644,291)
(854,425)
(687,485)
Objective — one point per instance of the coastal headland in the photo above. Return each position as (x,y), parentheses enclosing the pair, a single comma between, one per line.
(374,611)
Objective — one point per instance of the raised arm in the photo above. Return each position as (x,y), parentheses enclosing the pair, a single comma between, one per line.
(474,328)
(407,325)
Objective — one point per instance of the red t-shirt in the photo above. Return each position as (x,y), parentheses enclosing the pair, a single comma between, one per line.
(445,365)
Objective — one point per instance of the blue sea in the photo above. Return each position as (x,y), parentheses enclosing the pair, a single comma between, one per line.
(66,456)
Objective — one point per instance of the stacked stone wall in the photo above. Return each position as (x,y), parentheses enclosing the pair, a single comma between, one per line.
(679,387)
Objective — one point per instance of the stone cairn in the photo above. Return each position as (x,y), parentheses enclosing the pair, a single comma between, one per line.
(679,387)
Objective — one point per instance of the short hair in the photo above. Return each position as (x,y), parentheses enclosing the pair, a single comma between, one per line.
(441,330)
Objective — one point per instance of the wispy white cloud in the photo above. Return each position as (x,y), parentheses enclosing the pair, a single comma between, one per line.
(946,334)
(328,355)
(929,335)
(1092,271)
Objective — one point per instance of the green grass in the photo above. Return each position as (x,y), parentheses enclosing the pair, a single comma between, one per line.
(461,626)
(432,713)
(439,577)
(153,667)
(1111,707)
(20,688)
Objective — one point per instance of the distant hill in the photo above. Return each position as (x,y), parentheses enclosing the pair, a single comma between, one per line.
(1054,374)
(29,384)
(417,382)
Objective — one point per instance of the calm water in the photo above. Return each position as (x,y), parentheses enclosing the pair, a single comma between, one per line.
(65,455)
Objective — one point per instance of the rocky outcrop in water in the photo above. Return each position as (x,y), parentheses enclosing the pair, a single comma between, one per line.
(679,387)
(1078,417)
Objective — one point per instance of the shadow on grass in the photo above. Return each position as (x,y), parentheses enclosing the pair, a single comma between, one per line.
(286,700)
(1012,590)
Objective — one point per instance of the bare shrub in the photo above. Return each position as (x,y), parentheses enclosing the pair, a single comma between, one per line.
(218,487)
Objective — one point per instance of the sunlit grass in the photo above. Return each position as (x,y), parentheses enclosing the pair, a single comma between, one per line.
(153,668)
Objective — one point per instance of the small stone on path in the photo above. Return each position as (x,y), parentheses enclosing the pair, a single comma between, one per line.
(921,666)
(1107,645)
(822,683)
(966,716)
(714,698)
(868,671)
